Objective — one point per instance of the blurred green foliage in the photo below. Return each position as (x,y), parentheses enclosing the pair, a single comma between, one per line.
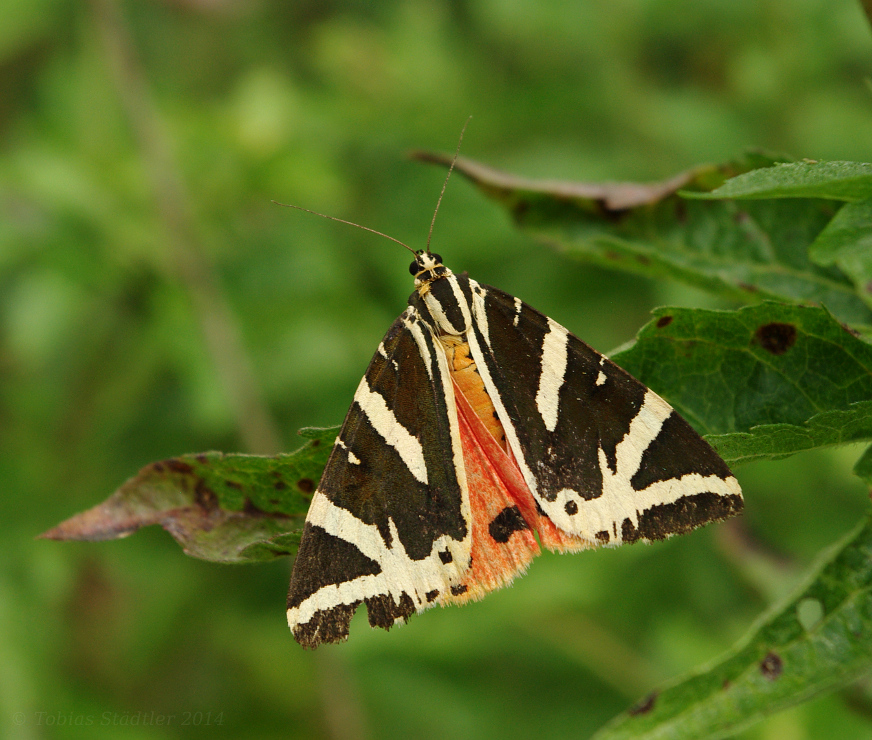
(141,258)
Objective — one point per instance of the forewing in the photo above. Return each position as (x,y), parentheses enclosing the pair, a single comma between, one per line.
(606,458)
(389,523)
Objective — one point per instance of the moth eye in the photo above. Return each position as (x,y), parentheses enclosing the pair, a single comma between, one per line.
(436,257)
(414,268)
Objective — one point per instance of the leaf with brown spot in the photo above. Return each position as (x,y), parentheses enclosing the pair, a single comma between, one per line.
(645,705)
(781,662)
(776,337)
(765,381)
(771,666)
(229,508)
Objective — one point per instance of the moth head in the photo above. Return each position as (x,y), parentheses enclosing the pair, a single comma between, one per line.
(424,261)
(426,268)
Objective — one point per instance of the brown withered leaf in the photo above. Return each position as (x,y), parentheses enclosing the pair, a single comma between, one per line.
(609,196)
(229,508)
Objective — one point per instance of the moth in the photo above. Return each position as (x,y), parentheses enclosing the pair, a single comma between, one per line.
(480,427)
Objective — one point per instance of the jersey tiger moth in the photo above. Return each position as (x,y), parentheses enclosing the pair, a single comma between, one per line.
(478,423)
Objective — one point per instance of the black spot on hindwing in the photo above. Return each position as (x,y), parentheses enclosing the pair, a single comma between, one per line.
(506,523)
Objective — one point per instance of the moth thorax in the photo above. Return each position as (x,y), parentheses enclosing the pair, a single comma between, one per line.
(428,275)
(446,313)
(467,379)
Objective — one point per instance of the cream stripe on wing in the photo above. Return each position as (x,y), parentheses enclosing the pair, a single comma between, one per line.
(417,333)
(555,354)
(395,434)
(644,428)
(619,500)
(399,573)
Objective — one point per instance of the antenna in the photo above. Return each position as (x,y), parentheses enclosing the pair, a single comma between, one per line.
(379,233)
(445,184)
(350,223)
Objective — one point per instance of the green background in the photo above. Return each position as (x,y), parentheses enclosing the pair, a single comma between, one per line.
(153,301)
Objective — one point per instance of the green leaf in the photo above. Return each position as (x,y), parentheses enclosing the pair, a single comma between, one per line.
(818,639)
(222,507)
(850,181)
(773,441)
(846,242)
(748,251)
(763,381)
(863,467)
